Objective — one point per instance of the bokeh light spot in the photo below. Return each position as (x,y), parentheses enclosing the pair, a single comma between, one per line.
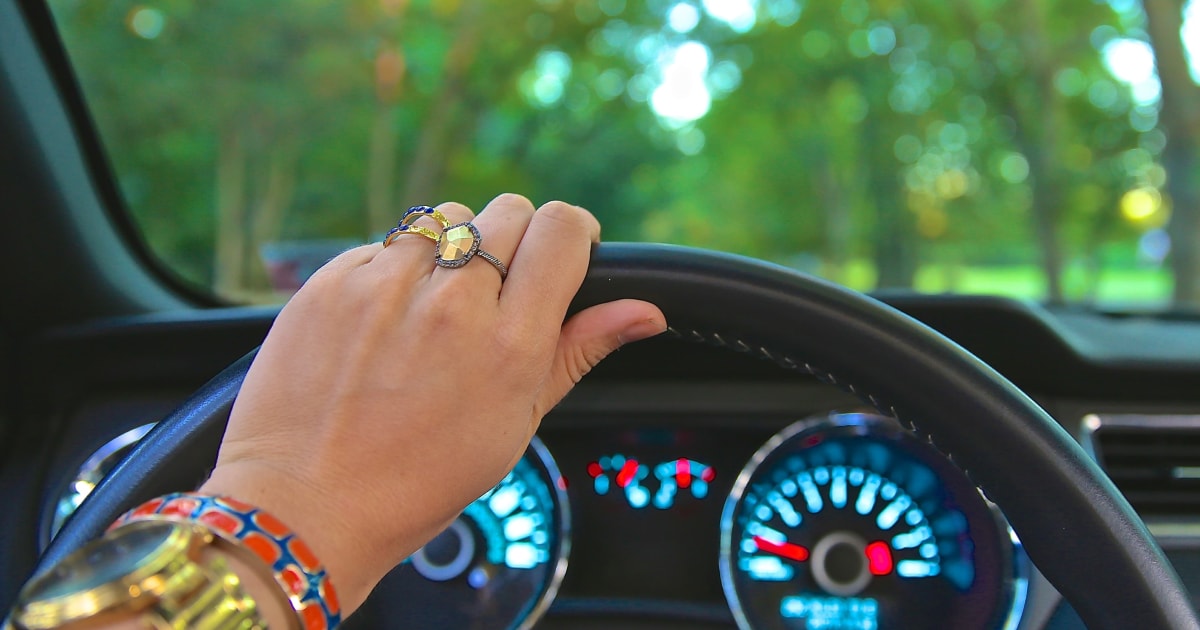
(683,17)
(1140,204)
(1014,168)
(740,15)
(682,96)
(146,22)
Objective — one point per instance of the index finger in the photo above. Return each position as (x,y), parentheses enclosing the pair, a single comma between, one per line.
(549,265)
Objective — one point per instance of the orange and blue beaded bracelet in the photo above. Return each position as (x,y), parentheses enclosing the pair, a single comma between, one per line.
(295,568)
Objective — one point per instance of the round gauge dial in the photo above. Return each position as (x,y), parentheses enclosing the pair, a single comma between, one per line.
(498,565)
(850,522)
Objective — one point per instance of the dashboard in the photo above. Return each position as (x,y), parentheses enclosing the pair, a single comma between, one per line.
(679,486)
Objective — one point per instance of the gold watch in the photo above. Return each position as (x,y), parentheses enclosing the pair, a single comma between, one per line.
(152,571)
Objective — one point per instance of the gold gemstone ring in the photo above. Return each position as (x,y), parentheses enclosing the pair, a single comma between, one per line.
(456,245)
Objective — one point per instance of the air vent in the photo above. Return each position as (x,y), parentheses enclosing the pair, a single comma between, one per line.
(1153,460)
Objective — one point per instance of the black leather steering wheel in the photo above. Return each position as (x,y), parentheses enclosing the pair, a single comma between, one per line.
(1077,528)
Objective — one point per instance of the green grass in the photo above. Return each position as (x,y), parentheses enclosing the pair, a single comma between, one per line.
(1131,286)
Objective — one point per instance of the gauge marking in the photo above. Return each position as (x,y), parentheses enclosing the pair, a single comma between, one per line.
(786,512)
(767,569)
(917,568)
(812,496)
(837,490)
(855,526)
(913,538)
(866,497)
(891,514)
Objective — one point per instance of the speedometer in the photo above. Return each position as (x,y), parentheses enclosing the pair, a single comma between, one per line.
(848,522)
(498,565)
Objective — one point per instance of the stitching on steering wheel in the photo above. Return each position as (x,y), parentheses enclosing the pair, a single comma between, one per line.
(779,358)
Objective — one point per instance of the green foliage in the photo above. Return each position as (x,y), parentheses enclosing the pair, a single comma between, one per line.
(915,143)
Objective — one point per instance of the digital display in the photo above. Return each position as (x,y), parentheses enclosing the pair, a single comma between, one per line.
(831,613)
(646,508)
(634,480)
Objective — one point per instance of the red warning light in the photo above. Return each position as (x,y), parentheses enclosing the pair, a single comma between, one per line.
(879,558)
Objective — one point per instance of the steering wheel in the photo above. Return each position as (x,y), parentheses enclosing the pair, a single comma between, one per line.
(1077,528)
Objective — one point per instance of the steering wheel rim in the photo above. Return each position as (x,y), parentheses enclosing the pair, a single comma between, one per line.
(1076,527)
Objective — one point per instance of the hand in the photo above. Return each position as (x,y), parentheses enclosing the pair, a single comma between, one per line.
(391,393)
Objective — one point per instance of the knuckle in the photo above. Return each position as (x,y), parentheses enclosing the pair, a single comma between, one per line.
(513,201)
(569,216)
(454,211)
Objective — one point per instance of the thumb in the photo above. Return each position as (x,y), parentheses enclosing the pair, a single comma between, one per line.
(592,334)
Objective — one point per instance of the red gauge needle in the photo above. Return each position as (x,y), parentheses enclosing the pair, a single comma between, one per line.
(628,472)
(788,550)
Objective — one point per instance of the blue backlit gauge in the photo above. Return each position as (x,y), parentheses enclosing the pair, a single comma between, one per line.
(499,564)
(848,522)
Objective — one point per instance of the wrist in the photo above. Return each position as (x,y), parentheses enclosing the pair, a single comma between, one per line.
(265,547)
(314,519)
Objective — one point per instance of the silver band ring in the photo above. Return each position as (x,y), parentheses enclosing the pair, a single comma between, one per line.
(501,267)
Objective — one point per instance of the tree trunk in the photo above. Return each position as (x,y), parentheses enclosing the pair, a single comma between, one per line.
(839,229)
(1179,118)
(1038,136)
(229,252)
(381,167)
(429,161)
(277,188)
(894,238)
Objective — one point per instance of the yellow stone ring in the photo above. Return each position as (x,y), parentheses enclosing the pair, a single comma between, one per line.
(456,245)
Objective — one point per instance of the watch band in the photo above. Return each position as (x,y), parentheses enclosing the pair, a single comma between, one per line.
(154,572)
(293,565)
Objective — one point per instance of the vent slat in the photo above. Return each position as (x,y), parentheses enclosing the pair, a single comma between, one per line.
(1156,468)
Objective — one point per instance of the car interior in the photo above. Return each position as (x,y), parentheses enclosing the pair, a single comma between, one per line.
(792,453)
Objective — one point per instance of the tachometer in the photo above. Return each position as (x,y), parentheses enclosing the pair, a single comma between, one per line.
(498,565)
(851,523)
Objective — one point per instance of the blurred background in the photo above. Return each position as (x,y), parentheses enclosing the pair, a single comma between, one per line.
(1043,149)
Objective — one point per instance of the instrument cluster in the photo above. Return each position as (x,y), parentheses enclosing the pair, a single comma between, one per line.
(836,522)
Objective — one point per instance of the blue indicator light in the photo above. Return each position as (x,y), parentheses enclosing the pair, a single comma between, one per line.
(866,497)
(767,569)
(668,480)
(504,500)
(638,496)
(832,613)
(520,526)
(890,514)
(837,488)
(478,578)
(785,509)
(521,556)
(856,476)
(917,568)
(909,540)
(812,496)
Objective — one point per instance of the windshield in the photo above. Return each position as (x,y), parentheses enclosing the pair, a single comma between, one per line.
(1028,148)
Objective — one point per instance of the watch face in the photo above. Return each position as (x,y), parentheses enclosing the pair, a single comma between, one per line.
(102,561)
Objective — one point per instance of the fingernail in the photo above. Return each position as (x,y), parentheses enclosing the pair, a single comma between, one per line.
(642,330)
